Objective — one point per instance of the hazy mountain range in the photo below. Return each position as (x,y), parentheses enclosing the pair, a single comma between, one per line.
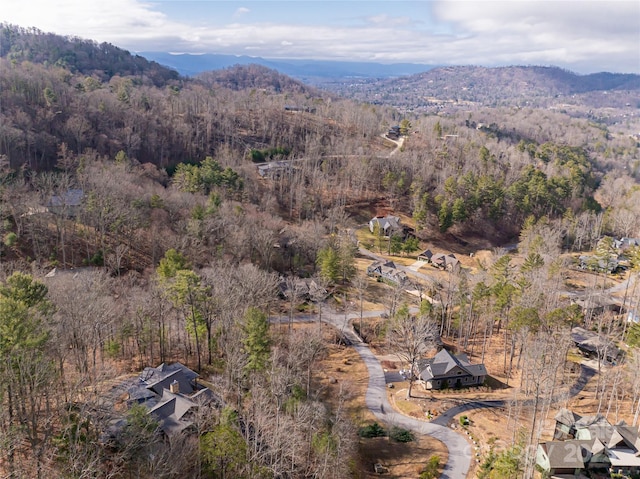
(411,85)
(514,85)
(191,65)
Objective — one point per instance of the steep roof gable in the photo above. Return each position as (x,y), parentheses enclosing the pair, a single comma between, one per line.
(444,363)
(171,410)
(386,222)
(629,435)
(572,454)
(567,417)
(164,382)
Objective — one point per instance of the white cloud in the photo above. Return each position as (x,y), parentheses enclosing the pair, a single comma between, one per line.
(603,33)
(580,35)
(389,20)
(240,12)
(113,20)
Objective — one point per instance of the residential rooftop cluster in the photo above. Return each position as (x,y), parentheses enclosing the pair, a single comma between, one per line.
(589,445)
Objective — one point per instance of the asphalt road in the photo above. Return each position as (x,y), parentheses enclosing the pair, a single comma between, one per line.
(444,419)
(460,451)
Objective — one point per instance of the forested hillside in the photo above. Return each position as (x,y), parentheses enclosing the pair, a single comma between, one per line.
(47,102)
(461,173)
(222,222)
(78,56)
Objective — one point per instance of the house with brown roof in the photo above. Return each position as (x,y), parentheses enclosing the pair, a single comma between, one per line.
(445,261)
(440,260)
(570,457)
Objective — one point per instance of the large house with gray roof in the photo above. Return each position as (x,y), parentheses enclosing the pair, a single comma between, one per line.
(387,225)
(171,394)
(387,270)
(440,260)
(446,370)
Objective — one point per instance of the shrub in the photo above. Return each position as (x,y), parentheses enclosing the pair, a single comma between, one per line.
(464,420)
(112,348)
(97,259)
(372,430)
(10,239)
(430,471)
(401,435)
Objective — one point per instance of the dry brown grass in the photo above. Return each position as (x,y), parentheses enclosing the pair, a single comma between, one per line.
(400,402)
(342,379)
(403,460)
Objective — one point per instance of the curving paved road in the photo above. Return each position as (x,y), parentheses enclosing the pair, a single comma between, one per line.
(586,373)
(460,450)
(459,460)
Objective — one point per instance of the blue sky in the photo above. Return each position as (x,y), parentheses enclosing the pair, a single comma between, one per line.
(584,36)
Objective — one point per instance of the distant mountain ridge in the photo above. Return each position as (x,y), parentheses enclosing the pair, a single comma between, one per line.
(409,85)
(252,76)
(192,64)
(512,85)
(552,79)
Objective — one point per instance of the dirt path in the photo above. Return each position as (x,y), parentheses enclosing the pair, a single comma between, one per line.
(398,143)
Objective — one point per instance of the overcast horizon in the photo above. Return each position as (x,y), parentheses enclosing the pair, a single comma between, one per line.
(585,37)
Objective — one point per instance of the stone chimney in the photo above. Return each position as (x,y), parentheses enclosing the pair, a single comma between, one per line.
(174,387)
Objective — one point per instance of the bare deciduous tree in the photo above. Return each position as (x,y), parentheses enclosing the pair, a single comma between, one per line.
(411,337)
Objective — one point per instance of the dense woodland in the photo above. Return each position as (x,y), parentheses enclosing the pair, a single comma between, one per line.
(178,247)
